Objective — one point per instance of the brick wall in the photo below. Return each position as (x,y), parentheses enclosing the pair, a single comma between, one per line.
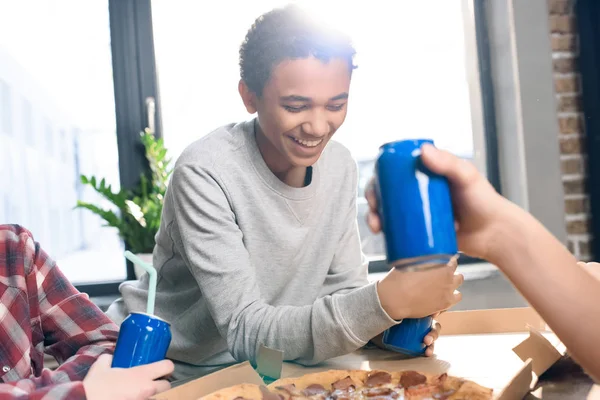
(563,32)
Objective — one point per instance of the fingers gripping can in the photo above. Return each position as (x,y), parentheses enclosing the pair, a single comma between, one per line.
(143,339)
(418,224)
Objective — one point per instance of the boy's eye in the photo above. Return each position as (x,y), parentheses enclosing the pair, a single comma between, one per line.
(295,109)
(336,107)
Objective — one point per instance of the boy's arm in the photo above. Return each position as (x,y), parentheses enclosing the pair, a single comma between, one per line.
(75,331)
(214,250)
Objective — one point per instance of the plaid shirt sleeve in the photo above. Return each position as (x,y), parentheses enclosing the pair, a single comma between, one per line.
(65,324)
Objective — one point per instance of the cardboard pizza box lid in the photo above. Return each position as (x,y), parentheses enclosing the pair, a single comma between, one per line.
(538,349)
(519,385)
(501,320)
(234,375)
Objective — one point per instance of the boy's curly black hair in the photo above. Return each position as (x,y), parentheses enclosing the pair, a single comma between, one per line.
(288,33)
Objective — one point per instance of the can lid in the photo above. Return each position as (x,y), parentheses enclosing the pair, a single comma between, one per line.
(414,142)
(151,316)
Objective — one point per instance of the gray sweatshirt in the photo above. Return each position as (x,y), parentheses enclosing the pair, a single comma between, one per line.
(245,259)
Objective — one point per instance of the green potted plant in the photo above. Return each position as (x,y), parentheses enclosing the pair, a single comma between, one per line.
(136,213)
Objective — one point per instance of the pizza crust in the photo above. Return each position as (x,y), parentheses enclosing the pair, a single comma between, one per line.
(245,390)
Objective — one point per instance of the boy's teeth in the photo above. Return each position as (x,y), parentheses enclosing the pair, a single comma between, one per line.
(309,143)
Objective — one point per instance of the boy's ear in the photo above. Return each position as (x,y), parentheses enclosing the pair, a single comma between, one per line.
(248,97)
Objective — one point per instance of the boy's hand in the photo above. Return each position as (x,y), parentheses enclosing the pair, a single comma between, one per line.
(418,294)
(479,210)
(137,383)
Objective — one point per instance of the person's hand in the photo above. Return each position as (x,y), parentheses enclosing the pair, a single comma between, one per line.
(478,209)
(592,267)
(428,341)
(137,383)
(418,294)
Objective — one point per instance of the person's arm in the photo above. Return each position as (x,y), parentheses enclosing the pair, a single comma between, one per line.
(74,330)
(214,251)
(566,296)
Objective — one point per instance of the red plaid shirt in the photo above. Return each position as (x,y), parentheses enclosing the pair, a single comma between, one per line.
(41,312)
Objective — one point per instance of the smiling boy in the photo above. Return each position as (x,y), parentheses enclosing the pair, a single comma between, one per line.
(259,242)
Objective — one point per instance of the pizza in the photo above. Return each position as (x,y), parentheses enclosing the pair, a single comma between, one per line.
(360,385)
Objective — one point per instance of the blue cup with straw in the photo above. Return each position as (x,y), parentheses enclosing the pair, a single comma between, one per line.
(143,338)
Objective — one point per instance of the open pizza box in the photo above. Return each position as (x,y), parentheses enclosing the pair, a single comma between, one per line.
(525,350)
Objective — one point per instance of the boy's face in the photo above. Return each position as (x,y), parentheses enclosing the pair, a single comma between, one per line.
(302,106)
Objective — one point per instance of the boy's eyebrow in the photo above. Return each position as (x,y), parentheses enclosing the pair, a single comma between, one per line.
(341,96)
(294,97)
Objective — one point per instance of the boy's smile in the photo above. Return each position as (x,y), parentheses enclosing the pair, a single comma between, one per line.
(301,107)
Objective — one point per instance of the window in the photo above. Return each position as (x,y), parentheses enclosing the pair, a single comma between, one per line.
(62,83)
(65,146)
(5,108)
(49,137)
(27,123)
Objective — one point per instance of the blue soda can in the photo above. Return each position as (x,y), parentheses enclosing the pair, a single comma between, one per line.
(143,339)
(415,208)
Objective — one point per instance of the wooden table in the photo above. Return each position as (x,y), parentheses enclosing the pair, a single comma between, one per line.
(487,359)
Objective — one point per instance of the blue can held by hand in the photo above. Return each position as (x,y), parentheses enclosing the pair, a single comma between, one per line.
(143,339)
(418,223)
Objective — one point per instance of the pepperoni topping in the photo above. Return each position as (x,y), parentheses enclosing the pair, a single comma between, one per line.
(380,392)
(378,379)
(346,384)
(314,390)
(412,378)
